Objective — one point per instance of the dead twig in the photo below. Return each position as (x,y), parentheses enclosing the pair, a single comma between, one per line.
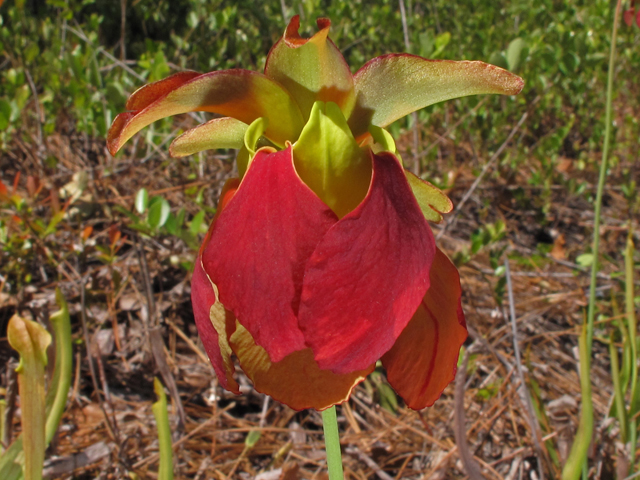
(356,452)
(156,342)
(522,389)
(90,356)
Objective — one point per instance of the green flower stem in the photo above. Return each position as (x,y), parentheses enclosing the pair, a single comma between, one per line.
(601,179)
(332,443)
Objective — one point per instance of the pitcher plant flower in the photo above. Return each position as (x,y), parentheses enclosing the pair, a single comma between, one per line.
(320,260)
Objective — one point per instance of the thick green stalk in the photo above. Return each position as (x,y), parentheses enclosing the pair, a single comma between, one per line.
(11,462)
(56,399)
(621,411)
(31,340)
(332,443)
(165,472)
(634,406)
(576,462)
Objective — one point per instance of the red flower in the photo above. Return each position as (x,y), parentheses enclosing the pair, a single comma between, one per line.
(320,260)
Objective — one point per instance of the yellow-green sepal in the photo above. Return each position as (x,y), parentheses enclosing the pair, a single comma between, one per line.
(330,162)
(432,201)
(251,143)
(383,140)
(225,132)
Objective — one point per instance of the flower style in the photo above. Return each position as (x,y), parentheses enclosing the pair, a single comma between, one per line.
(320,260)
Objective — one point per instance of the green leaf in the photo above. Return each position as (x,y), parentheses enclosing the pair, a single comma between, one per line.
(585,260)
(5,114)
(252,438)
(196,223)
(142,200)
(514,53)
(499,60)
(171,225)
(441,42)
(158,212)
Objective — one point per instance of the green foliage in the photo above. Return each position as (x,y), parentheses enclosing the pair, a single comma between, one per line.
(153,216)
(72,52)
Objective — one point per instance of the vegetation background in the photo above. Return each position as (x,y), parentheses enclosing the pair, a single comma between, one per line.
(118,235)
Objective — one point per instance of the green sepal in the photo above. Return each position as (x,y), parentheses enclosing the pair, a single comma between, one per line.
(432,201)
(251,144)
(383,140)
(218,133)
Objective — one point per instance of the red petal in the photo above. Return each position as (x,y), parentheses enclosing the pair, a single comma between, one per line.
(259,248)
(423,360)
(296,380)
(368,275)
(203,298)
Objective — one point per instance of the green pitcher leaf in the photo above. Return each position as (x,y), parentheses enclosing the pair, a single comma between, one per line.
(31,340)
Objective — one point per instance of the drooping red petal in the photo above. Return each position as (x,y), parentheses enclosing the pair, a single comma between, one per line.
(423,360)
(210,320)
(296,380)
(240,94)
(259,248)
(368,275)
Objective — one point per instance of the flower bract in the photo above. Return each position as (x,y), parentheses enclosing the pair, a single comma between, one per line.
(320,260)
